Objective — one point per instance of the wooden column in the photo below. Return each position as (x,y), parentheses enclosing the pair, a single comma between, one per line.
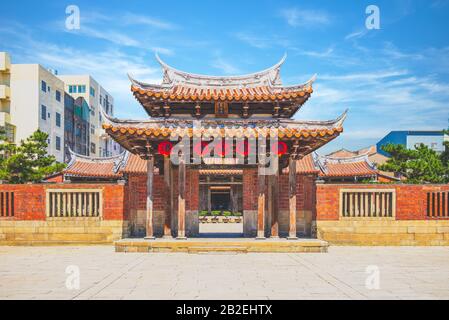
(260,204)
(181,199)
(209,197)
(292,198)
(168,197)
(149,209)
(274,205)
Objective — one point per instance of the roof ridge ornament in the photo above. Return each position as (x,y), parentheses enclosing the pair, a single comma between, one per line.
(173,76)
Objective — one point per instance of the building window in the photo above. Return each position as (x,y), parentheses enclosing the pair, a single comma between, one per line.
(92,129)
(101,99)
(43,112)
(72,89)
(44,86)
(92,92)
(82,89)
(58,143)
(92,147)
(58,119)
(58,95)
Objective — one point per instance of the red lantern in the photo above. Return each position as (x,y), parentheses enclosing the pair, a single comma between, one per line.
(282,148)
(243,148)
(222,149)
(164,148)
(201,148)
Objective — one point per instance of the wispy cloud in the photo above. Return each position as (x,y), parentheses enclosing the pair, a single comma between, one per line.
(225,66)
(356,34)
(316,54)
(262,42)
(296,17)
(367,76)
(393,52)
(136,19)
(109,67)
(108,35)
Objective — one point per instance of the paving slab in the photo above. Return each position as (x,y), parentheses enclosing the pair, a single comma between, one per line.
(342,273)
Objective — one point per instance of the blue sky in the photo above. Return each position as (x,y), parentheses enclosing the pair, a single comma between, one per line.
(390,79)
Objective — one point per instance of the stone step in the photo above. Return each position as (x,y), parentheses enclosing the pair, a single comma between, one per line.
(215,249)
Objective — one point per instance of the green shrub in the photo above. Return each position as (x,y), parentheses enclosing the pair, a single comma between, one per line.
(227,213)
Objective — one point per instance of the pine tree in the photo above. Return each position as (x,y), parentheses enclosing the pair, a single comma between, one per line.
(29,162)
(421,165)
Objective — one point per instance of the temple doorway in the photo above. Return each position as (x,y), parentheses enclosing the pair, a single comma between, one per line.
(221,204)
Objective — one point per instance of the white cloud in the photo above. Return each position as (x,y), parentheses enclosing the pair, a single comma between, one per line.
(317,54)
(305,18)
(393,52)
(135,19)
(108,35)
(254,41)
(109,67)
(225,66)
(366,76)
(262,42)
(356,34)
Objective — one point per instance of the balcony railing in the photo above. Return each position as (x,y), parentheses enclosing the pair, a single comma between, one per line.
(6,204)
(74,203)
(438,204)
(366,203)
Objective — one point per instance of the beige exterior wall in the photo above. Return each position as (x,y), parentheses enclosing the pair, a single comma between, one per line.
(5,95)
(28,99)
(59,231)
(384,232)
(99,136)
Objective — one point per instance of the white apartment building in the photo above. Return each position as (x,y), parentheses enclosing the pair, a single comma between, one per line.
(101,145)
(37,102)
(5,96)
(32,97)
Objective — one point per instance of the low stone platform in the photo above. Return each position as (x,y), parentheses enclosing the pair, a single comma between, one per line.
(224,245)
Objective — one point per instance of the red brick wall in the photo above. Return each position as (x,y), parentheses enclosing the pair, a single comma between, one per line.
(411,200)
(192,189)
(29,199)
(250,189)
(137,185)
(305,192)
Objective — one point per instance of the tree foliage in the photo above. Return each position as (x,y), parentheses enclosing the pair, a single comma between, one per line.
(27,162)
(420,165)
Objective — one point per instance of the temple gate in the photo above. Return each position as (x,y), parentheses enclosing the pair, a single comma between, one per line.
(240,127)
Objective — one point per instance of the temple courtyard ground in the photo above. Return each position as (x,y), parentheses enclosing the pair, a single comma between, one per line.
(97,272)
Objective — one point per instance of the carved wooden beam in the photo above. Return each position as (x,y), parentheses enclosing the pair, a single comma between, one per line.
(166,110)
(198,110)
(245,110)
(276,109)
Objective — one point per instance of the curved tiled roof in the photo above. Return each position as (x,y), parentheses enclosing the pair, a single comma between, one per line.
(115,167)
(264,85)
(357,166)
(307,165)
(326,166)
(164,128)
(85,166)
(134,165)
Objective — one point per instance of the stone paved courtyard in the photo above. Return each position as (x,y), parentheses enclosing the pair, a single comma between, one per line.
(404,273)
